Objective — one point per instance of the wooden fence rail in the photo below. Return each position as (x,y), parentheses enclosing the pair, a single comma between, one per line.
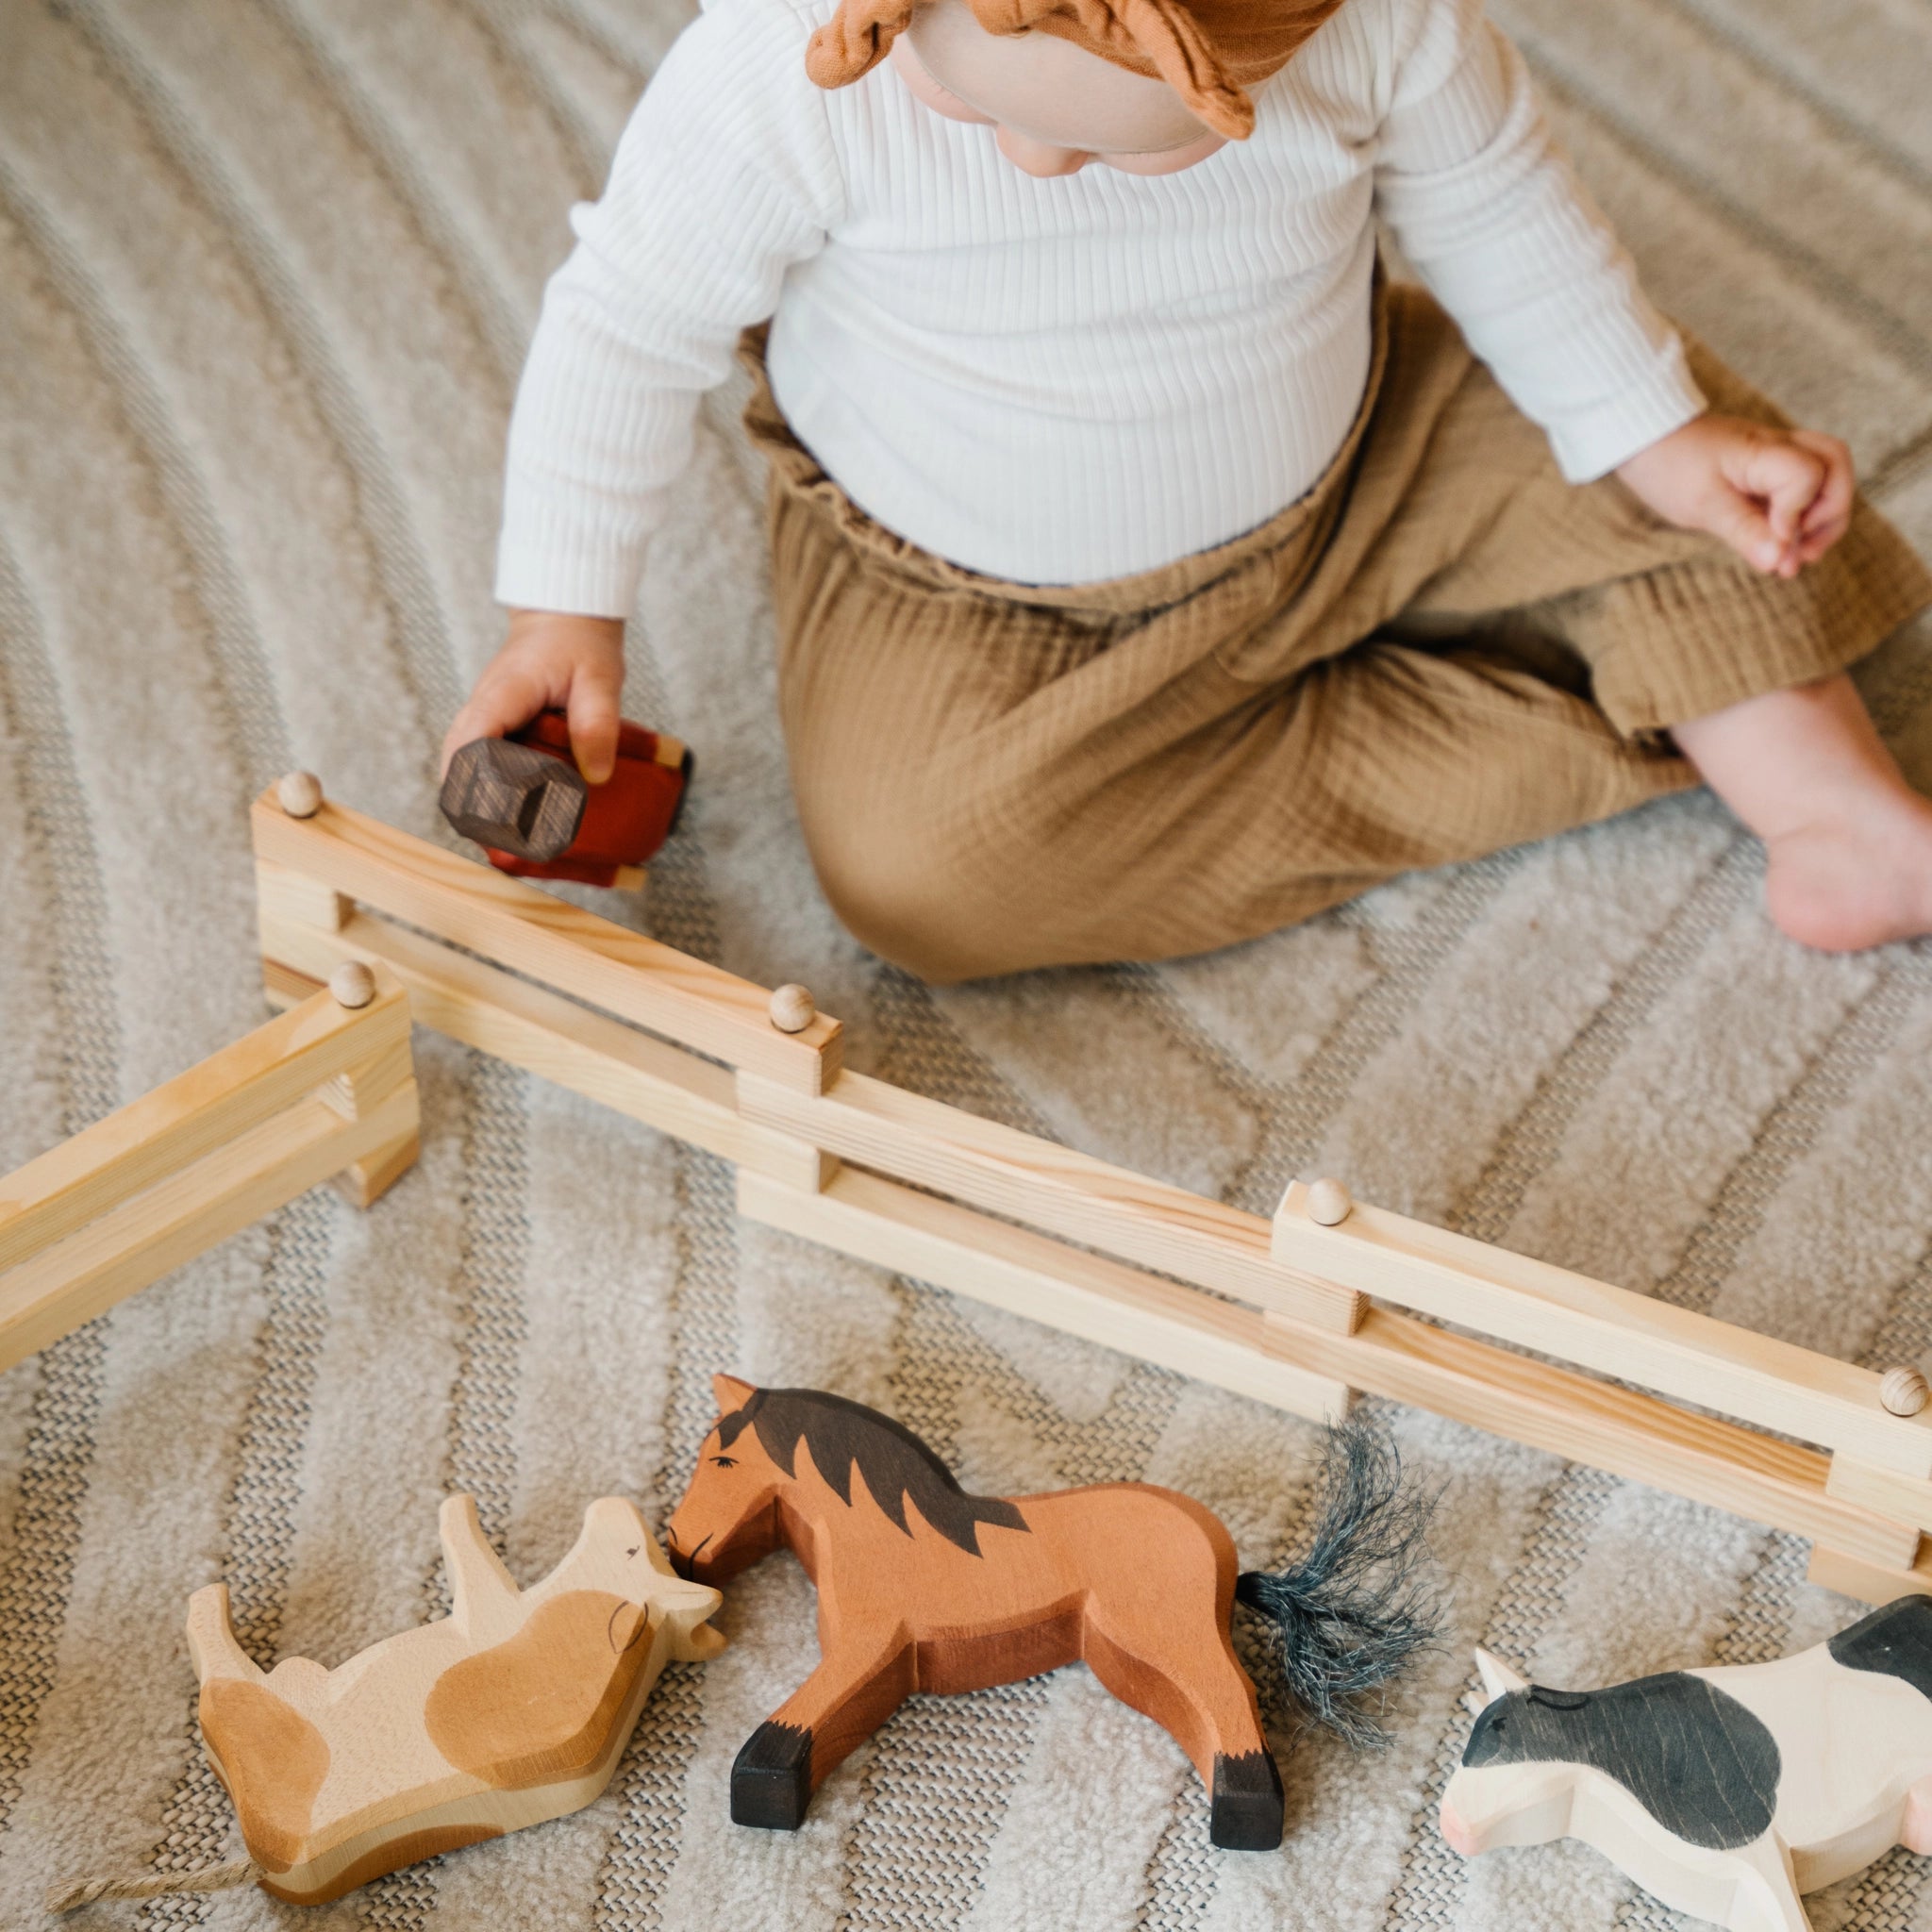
(1294,1311)
(324,1091)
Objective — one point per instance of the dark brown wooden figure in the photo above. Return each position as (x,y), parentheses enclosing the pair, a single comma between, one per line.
(923,1587)
(514,798)
(525,802)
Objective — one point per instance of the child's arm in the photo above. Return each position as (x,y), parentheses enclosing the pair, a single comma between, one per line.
(725,176)
(1487,209)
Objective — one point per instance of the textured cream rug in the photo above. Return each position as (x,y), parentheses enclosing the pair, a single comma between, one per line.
(266,272)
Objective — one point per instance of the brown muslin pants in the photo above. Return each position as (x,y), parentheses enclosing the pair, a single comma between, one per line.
(1440,650)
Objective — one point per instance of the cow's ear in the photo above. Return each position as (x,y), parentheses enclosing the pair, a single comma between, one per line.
(1498,1678)
(732,1393)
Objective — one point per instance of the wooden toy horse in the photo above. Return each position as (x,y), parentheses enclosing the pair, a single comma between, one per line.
(1727,1792)
(923,1587)
(512,1709)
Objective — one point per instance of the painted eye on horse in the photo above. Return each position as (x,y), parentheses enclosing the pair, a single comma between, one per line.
(724,1461)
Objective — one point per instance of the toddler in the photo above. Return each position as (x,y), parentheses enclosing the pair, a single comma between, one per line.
(1149,571)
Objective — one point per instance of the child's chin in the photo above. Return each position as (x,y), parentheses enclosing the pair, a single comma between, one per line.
(1170,162)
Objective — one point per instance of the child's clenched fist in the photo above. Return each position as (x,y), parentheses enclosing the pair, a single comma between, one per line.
(1780,498)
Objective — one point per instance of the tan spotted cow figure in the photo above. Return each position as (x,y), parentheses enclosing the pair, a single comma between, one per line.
(512,1709)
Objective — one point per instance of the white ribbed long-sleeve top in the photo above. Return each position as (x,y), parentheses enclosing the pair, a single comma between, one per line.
(1063,380)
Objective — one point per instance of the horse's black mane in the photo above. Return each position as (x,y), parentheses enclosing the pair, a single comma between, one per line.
(893,1462)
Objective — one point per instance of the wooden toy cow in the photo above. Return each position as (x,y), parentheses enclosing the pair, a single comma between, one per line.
(1727,1792)
(513,1708)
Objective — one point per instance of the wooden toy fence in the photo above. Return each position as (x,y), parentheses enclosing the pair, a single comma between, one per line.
(324,1091)
(1293,1312)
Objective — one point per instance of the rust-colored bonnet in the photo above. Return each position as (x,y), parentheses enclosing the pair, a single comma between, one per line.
(1211,52)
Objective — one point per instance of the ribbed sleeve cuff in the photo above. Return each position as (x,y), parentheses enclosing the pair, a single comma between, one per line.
(531,577)
(1592,443)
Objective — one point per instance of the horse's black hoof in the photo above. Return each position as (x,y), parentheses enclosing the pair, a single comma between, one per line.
(1247,1813)
(771,1780)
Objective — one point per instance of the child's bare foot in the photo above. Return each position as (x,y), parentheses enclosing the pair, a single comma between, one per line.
(1858,880)
(1849,843)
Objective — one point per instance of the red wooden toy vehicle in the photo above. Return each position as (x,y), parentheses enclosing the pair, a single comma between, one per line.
(523,799)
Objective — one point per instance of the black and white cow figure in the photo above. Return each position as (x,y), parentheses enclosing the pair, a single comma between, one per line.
(1727,1792)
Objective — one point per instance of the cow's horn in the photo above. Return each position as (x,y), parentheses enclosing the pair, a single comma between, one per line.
(1498,1678)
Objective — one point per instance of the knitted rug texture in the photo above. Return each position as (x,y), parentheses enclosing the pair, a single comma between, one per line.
(267,271)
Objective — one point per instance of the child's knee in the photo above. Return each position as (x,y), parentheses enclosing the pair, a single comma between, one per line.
(917,894)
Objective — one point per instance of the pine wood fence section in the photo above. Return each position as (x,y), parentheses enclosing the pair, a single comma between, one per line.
(1302,1313)
(324,1092)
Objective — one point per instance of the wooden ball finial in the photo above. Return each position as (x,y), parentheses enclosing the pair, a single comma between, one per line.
(1904,1391)
(299,794)
(353,985)
(794,1008)
(1328,1203)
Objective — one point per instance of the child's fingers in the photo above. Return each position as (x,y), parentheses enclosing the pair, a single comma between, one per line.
(1816,539)
(1785,477)
(596,693)
(1740,519)
(507,695)
(1831,508)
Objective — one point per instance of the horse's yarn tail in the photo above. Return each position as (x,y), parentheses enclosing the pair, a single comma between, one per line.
(1351,1614)
(70,1898)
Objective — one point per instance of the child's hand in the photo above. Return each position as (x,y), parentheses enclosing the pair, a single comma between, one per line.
(551,662)
(1780,498)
